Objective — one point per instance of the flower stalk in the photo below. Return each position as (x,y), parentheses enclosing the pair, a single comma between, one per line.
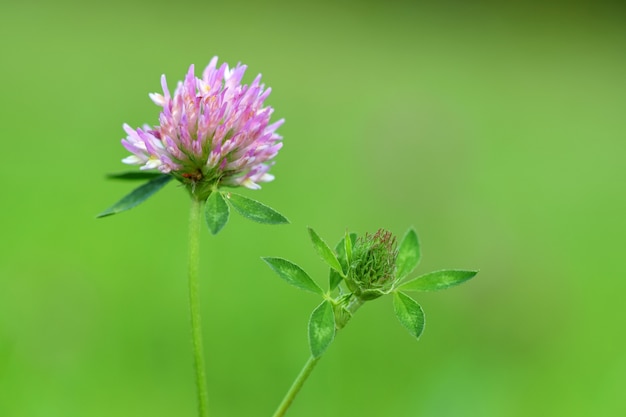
(348,312)
(212,132)
(195,216)
(295,387)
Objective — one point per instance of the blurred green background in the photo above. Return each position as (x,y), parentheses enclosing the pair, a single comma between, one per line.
(497,131)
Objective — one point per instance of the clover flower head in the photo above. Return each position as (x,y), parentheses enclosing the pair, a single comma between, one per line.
(212,131)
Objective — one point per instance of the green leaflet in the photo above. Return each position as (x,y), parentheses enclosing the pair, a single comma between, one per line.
(216,212)
(138,195)
(321,328)
(324,251)
(254,210)
(348,244)
(134,175)
(293,274)
(408,254)
(438,280)
(409,313)
(335,278)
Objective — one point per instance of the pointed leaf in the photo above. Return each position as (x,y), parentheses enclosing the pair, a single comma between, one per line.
(137,196)
(216,212)
(438,280)
(324,251)
(293,274)
(409,313)
(408,254)
(321,328)
(347,246)
(134,175)
(335,278)
(255,210)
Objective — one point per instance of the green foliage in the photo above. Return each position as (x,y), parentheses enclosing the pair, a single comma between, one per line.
(138,195)
(408,254)
(409,313)
(324,251)
(254,210)
(438,280)
(321,328)
(216,212)
(348,244)
(134,175)
(335,277)
(366,268)
(293,274)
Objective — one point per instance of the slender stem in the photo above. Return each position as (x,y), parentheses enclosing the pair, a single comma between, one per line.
(295,387)
(350,309)
(194,302)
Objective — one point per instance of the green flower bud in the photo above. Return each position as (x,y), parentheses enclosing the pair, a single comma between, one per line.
(372,265)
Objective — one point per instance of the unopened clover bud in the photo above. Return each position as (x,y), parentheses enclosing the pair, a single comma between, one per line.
(372,266)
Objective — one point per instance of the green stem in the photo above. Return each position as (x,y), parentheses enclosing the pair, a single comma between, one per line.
(194,302)
(352,307)
(295,387)
(349,310)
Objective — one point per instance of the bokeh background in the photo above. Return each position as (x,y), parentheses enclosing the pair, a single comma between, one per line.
(497,131)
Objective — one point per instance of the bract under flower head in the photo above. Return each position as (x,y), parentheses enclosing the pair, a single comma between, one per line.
(212,131)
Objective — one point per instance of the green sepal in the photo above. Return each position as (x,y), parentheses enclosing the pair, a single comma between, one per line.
(408,254)
(134,175)
(321,328)
(335,277)
(324,251)
(409,313)
(138,195)
(438,280)
(293,274)
(254,210)
(216,212)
